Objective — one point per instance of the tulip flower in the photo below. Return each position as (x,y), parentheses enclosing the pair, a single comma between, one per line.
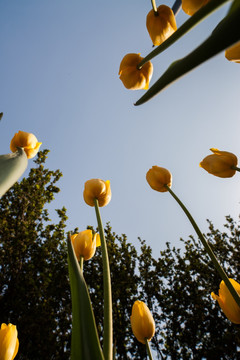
(97,189)
(161,25)
(158,177)
(192,6)
(85,243)
(227,303)
(132,77)
(220,163)
(233,53)
(8,342)
(27,141)
(143,325)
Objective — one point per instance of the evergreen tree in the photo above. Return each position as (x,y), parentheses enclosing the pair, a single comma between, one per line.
(34,288)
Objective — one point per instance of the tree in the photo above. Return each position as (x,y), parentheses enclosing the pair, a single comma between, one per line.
(189,323)
(35,291)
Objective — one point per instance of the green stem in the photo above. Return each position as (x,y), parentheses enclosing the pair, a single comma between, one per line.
(81,263)
(107,321)
(208,249)
(148,349)
(236,168)
(154,7)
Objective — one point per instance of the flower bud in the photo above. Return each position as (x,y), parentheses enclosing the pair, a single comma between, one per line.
(233,53)
(192,6)
(158,177)
(161,25)
(84,244)
(8,342)
(132,77)
(227,302)
(27,141)
(142,322)
(97,189)
(220,163)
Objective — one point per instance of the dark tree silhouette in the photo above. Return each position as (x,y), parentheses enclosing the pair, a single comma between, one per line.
(35,291)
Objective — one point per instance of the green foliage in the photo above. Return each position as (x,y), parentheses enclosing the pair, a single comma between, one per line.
(35,291)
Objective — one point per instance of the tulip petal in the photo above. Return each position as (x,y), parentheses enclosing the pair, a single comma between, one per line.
(227,303)
(97,189)
(220,163)
(162,26)
(132,77)
(8,342)
(142,323)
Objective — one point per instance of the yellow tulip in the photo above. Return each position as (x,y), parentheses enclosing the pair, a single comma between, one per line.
(27,141)
(142,322)
(84,244)
(158,177)
(233,53)
(97,189)
(227,303)
(220,163)
(132,77)
(161,25)
(192,6)
(8,342)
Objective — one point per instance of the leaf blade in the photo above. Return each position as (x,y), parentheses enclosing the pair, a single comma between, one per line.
(12,166)
(85,342)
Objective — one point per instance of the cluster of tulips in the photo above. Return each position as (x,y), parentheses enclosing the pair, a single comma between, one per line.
(82,247)
(136,72)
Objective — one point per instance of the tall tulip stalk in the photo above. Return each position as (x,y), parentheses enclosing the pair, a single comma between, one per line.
(107,324)
(160,179)
(82,247)
(208,249)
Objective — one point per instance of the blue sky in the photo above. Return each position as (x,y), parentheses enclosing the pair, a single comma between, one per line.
(59,80)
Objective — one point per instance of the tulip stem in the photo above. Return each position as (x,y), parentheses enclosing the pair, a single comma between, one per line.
(208,249)
(177,7)
(148,349)
(154,7)
(235,168)
(107,321)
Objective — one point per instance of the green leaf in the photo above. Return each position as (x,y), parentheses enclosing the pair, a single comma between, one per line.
(234,6)
(224,35)
(85,342)
(12,166)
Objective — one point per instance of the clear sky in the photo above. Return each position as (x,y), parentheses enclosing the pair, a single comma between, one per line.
(59,66)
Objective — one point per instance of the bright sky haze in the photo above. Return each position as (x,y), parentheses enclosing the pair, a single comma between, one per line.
(59,80)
